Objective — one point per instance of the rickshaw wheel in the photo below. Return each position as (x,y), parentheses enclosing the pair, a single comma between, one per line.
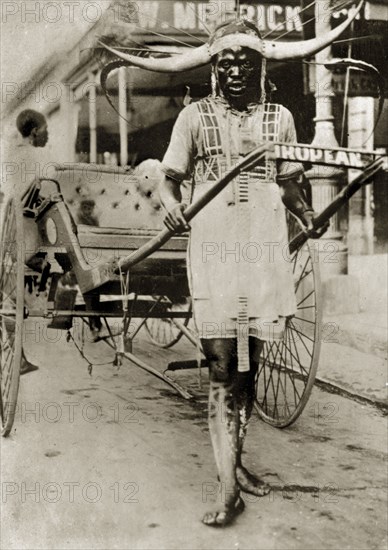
(11,311)
(288,367)
(163,332)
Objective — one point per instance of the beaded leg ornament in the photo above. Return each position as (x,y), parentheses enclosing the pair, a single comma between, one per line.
(242,314)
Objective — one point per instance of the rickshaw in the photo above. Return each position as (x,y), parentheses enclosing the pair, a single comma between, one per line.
(133,269)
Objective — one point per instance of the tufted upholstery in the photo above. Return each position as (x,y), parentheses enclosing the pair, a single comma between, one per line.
(118,212)
(113,198)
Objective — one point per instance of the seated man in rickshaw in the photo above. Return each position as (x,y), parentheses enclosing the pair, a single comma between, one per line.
(239,297)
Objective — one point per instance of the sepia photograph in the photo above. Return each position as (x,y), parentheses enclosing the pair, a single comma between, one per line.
(193,274)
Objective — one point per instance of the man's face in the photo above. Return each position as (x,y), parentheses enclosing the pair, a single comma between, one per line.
(39,136)
(238,70)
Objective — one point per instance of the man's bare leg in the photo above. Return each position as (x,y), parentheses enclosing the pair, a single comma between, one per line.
(245,393)
(223,427)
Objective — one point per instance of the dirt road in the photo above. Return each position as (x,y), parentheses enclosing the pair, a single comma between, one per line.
(116,459)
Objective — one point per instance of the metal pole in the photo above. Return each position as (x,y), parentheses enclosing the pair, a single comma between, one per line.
(326,182)
(122,82)
(93,122)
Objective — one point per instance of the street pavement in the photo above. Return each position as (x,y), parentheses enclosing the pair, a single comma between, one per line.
(116,459)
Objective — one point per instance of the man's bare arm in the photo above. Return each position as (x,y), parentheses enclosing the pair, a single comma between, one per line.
(171,198)
(294,200)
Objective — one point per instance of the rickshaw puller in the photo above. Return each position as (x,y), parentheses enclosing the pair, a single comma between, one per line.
(236,298)
(208,138)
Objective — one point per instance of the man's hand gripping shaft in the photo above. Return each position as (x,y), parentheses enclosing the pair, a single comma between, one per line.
(171,196)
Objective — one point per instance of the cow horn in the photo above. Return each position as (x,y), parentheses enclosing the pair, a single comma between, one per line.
(305,48)
(195,57)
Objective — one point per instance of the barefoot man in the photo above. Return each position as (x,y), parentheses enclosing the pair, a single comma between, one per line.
(240,296)
(240,280)
(26,156)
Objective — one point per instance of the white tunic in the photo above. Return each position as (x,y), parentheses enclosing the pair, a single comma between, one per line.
(238,263)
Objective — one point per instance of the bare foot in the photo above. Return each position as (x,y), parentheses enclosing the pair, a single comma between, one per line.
(251,484)
(225,517)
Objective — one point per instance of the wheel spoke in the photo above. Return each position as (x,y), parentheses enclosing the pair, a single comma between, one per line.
(301,275)
(300,338)
(292,368)
(295,259)
(302,370)
(301,333)
(285,376)
(305,298)
(290,352)
(279,372)
(265,381)
(296,393)
(272,367)
(293,360)
(295,346)
(301,278)
(162,331)
(304,320)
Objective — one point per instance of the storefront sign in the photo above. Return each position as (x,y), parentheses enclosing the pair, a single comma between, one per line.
(317,155)
(360,84)
(198,18)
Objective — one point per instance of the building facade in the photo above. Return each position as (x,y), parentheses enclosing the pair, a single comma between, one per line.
(84,127)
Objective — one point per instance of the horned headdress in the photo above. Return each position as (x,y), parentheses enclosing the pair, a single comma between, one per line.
(237,35)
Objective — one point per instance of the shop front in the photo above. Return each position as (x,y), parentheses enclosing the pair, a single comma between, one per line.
(149,103)
(84,127)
